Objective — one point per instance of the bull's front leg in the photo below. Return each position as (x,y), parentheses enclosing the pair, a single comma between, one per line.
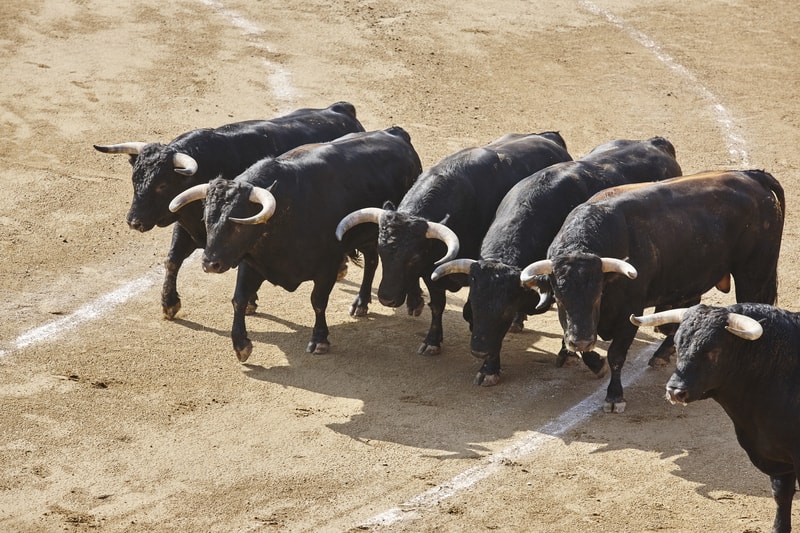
(489,373)
(181,247)
(414,301)
(432,345)
(323,285)
(364,297)
(617,353)
(247,283)
(782,493)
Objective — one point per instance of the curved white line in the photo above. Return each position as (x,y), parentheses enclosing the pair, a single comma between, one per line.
(733,138)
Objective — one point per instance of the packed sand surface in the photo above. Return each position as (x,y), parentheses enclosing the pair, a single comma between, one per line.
(115,419)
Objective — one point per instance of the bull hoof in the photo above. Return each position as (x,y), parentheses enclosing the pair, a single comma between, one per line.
(415,310)
(601,373)
(486,380)
(358,310)
(615,407)
(567,358)
(318,348)
(429,349)
(243,353)
(251,308)
(657,362)
(171,310)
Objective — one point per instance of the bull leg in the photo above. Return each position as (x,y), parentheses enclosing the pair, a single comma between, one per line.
(247,283)
(432,345)
(782,493)
(518,324)
(364,297)
(593,360)
(617,353)
(323,285)
(414,301)
(181,247)
(489,373)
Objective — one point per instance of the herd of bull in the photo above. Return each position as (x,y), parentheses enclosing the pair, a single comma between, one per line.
(521,224)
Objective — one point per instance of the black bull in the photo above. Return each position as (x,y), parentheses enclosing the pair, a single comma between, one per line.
(454,201)
(745,357)
(678,237)
(161,172)
(526,222)
(299,198)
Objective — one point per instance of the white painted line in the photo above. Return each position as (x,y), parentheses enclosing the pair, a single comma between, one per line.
(737,148)
(279,78)
(90,311)
(523,447)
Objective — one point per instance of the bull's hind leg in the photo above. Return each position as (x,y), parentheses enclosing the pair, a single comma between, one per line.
(320,294)
(782,493)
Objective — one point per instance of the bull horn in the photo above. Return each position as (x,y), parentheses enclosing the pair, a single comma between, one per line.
(441,232)
(131,148)
(456,266)
(545,300)
(184,164)
(670,316)
(368,214)
(619,266)
(262,196)
(198,192)
(543,267)
(743,326)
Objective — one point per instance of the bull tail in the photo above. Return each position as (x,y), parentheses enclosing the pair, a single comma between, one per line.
(768,180)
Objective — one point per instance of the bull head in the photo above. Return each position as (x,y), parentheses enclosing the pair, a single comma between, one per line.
(435,230)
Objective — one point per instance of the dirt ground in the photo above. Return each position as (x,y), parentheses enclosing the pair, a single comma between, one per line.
(114,419)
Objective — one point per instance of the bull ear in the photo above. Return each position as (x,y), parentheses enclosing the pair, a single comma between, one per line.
(744,327)
(389,206)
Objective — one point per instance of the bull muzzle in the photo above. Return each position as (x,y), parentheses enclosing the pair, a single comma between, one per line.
(214,266)
(677,395)
(580,345)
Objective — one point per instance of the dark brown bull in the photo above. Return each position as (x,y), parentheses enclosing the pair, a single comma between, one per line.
(659,245)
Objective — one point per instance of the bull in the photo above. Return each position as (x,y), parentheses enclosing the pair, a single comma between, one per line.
(277,220)
(746,358)
(526,222)
(659,245)
(160,172)
(445,215)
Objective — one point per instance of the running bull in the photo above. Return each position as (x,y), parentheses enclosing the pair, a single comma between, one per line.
(659,245)
(160,172)
(445,215)
(526,222)
(277,220)
(746,358)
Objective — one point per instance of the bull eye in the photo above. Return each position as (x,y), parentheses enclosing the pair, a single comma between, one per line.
(161,188)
